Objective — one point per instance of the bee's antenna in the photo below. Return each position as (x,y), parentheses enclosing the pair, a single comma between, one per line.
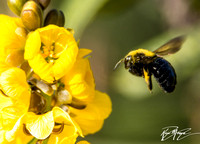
(118,63)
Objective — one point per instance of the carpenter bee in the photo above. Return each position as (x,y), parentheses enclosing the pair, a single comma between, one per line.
(145,63)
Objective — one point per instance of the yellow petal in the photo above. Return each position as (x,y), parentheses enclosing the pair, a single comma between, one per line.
(65,61)
(83,52)
(40,126)
(4,101)
(10,112)
(42,68)
(9,116)
(7,119)
(17,135)
(90,126)
(13,35)
(83,142)
(103,102)
(92,117)
(13,83)
(80,81)
(15,58)
(71,129)
(65,137)
(61,116)
(2,137)
(10,122)
(33,45)
(3,66)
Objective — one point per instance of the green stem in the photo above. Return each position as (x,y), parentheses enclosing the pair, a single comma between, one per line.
(48,102)
(32,141)
(45,141)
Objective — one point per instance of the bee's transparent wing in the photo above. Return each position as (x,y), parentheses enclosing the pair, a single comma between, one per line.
(171,46)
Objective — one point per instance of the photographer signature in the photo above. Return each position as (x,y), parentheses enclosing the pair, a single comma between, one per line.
(176,134)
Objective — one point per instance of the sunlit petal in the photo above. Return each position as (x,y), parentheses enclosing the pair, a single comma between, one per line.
(12,38)
(80,81)
(40,126)
(13,83)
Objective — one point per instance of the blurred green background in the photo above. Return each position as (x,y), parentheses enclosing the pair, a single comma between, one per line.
(112,28)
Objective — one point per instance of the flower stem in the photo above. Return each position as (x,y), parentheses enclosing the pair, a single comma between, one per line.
(48,102)
(32,141)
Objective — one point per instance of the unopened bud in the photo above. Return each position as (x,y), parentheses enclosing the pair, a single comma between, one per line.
(32,15)
(37,103)
(44,3)
(16,6)
(44,87)
(55,17)
(63,97)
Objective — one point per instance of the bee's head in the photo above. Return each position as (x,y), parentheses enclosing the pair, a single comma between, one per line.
(128,61)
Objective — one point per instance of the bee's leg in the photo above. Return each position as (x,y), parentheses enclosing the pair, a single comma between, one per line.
(147,77)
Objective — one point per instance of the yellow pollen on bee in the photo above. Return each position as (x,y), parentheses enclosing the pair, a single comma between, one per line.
(144,51)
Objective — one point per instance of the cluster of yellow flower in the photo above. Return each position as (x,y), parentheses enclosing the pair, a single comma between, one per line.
(47,89)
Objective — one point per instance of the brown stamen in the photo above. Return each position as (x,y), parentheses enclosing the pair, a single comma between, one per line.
(1,91)
(77,106)
(25,130)
(60,129)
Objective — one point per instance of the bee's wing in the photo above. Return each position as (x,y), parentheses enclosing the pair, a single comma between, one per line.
(171,46)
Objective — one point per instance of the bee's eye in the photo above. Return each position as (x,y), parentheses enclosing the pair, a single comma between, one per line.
(128,58)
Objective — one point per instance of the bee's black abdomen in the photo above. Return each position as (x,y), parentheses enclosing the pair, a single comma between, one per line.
(164,73)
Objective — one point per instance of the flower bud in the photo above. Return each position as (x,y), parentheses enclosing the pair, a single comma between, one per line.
(44,3)
(63,97)
(15,58)
(55,17)
(37,103)
(16,6)
(44,88)
(32,15)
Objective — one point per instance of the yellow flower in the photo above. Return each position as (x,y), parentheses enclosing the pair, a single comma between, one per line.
(14,103)
(47,88)
(51,52)
(65,107)
(91,118)
(12,40)
(79,81)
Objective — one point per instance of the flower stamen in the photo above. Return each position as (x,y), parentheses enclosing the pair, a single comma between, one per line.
(25,130)
(77,106)
(1,91)
(49,53)
(60,129)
